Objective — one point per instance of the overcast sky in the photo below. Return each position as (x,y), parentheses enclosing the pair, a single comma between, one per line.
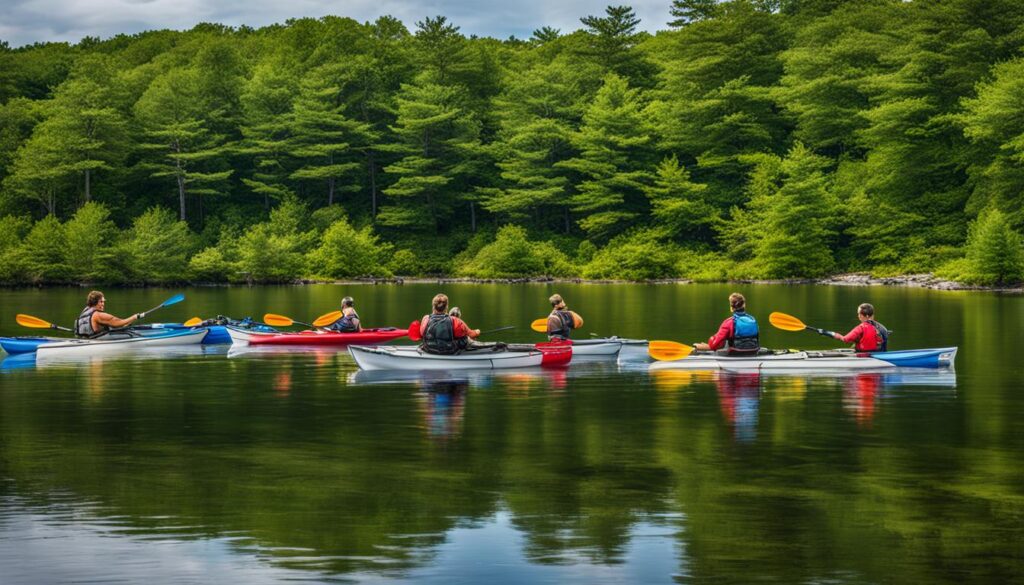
(28,21)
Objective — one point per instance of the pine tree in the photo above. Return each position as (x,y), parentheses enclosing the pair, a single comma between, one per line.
(613,146)
(995,252)
(678,205)
(182,147)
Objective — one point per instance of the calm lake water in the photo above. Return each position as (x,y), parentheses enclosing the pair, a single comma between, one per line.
(209,465)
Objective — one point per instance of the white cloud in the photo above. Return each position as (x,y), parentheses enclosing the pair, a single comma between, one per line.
(28,21)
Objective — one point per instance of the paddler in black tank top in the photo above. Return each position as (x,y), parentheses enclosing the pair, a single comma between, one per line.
(561,321)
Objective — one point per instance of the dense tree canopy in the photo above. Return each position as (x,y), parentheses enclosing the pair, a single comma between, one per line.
(765,138)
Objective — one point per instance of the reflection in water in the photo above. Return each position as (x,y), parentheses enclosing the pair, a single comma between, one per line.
(443,404)
(739,395)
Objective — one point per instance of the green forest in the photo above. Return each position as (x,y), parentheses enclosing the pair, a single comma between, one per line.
(747,139)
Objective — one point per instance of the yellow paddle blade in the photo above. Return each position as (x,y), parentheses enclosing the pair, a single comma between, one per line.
(33,322)
(327,319)
(540,325)
(277,320)
(668,350)
(786,322)
(193,322)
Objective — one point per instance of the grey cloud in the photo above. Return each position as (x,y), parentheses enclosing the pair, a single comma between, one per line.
(24,22)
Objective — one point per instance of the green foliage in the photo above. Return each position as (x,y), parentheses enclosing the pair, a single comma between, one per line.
(347,252)
(995,253)
(640,255)
(90,236)
(44,252)
(12,233)
(512,255)
(404,263)
(157,246)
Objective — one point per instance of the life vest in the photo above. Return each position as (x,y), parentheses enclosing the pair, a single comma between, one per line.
(83,325)
(566,324)
(439,336)
(744,333)
(881,338)
(345,324)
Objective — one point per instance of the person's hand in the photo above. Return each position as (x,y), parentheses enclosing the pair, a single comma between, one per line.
(476,333)
(823,332)
(701,346)
(140,316)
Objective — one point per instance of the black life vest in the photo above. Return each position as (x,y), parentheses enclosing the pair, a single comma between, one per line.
(745,334)
(345,324)
(439,336)
(83,325)
(566,324)
(883,335)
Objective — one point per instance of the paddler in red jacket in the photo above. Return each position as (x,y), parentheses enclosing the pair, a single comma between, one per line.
(870,335)
(441,333)
(739,331)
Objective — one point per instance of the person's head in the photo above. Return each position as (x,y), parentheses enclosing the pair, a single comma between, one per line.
(737,302)
(347,302)
(455,312)
(440,303)
(95,299)
(556,301)
(865,311)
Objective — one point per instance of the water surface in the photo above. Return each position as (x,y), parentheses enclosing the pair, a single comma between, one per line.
(214,464)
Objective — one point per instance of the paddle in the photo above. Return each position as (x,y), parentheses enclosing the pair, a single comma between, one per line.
(668,350)
(414,331)
(192,322)
(37,323)
(282,321)
(171,301)
(540,325)
(791,323)
(505,328)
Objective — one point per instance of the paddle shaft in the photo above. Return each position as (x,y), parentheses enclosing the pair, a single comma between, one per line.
(505,328)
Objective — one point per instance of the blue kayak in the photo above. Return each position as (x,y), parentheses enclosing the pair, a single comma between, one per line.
(216,334)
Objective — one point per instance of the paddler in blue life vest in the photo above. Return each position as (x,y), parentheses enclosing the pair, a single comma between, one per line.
(739,331)
(349,321)
(870,335)
(561,321)
(442,333)
(94,320)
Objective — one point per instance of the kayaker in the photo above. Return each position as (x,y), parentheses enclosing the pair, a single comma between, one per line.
(739,331)
(465,342)
(349,321)
(442,333)
(561,321)
(94,320)
(870,335)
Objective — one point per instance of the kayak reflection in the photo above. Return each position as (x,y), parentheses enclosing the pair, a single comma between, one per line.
(44,360)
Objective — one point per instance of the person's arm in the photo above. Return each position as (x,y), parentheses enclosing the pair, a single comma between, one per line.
(423,324)
(554,324)
(355,319)
(577,321)
(463,330)
(853,336)
(717,341)
(116,323)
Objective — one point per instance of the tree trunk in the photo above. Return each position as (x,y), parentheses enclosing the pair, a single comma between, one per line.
(330,191)
(88,193)
(51,205)
(181,195)
(566,220)
(472,217)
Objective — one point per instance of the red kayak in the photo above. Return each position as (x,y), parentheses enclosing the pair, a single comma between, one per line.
(365,337)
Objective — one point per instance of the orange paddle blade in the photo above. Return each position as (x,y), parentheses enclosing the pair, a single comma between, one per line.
(277,320)
(327,319)
(786,322)
(193,322)
(540,325)
(33,322)
(668,350)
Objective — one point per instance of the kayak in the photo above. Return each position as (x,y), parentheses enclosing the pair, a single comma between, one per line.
(76,347)
(364,337)
(840,359)
(397,357)
(602,346)
(28,344)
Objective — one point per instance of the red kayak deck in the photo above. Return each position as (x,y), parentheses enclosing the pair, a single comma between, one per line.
(364,337)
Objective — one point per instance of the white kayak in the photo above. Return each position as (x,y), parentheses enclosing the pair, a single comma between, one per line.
(410,357)
(104,346)
(815,360)
(597,347)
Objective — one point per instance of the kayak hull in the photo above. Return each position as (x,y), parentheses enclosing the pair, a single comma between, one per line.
(412,358)
(16,345)
(598,347)
(240,336)
(81,347)
(816,360)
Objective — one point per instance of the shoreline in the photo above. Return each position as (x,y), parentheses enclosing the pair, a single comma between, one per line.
(925,280)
